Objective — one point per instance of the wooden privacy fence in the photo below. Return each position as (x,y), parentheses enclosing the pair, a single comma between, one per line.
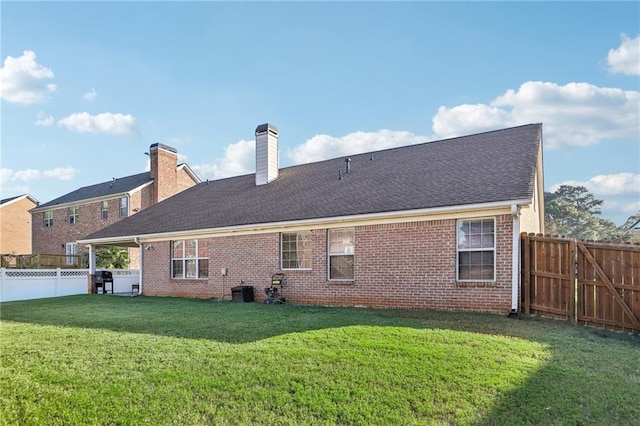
(589,283)
(40,261)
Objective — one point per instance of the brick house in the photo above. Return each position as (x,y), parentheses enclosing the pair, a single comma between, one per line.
(428,226)
(58,224)
(15,224)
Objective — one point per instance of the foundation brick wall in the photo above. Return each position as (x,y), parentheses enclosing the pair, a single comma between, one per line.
(408,265)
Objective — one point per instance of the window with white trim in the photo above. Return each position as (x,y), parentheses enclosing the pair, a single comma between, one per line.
(476,250)
(189,259)
(341,254)
(71,250)
(105,210)
(124,207)
(48,218)
(295,250)
(73,214)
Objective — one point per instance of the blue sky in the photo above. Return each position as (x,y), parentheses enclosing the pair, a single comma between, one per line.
(87,86)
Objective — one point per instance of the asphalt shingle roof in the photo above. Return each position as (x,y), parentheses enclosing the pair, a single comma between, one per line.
(119,186)
(483,168)
(6,200)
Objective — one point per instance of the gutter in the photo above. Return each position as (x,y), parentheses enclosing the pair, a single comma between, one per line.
(338,221)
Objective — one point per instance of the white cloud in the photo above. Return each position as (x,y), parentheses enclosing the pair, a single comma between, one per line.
(89,96)
(321,147)
(239,159)
(626,58)
(576,114)
(62,173)
(24,81)
(466,119)
(614,184)
(27,175)
(43,120)
(5,175)
(114,124)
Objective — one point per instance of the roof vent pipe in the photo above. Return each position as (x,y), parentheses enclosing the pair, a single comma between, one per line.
(348,165)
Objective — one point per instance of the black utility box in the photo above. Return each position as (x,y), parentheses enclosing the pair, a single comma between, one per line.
(242,293)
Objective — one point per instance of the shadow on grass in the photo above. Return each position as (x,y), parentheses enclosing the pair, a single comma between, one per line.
(234,322)
(591,378)
(575,385)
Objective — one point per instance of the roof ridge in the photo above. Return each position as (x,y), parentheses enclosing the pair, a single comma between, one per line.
(405,146)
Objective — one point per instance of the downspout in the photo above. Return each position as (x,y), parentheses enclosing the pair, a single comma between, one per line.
(141,251)
(515,261)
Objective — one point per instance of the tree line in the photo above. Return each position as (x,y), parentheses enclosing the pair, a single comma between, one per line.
(573,211)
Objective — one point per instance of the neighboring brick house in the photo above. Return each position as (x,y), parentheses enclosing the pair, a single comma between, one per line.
(15,224)
(430,226)
(58,224)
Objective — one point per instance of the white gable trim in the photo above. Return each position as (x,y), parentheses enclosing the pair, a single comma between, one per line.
(19,198)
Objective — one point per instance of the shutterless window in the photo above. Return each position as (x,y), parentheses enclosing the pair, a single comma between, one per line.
(295,250)
(105,210)
(341,253)
(476,250)
(71,250)
(189,260)
(73,214)
(48,218)
(124,207)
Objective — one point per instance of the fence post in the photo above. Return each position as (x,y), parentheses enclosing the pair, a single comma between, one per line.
(58,278)
(574,301)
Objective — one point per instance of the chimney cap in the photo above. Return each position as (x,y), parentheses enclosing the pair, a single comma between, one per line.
(157,145)
(266,127)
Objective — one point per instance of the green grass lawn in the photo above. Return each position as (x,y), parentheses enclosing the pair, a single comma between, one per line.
(122,361)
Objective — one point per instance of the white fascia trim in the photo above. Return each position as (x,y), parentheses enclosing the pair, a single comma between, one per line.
(438,213)
(190,172)
(90,200)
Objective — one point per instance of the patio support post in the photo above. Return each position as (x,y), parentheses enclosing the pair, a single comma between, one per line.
(141,256)
(92,269)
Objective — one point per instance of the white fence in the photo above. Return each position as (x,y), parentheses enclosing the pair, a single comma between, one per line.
(25,284)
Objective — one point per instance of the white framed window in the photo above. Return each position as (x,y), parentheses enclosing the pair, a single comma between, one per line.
(295,250)
(341,254)
(105,210)
(476,250)
(48,218)
(124,207)
(73,214)
(71,250)
(189,259)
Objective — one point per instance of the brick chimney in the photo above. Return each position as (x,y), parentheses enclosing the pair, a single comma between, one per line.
(266,153)
(164,164)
